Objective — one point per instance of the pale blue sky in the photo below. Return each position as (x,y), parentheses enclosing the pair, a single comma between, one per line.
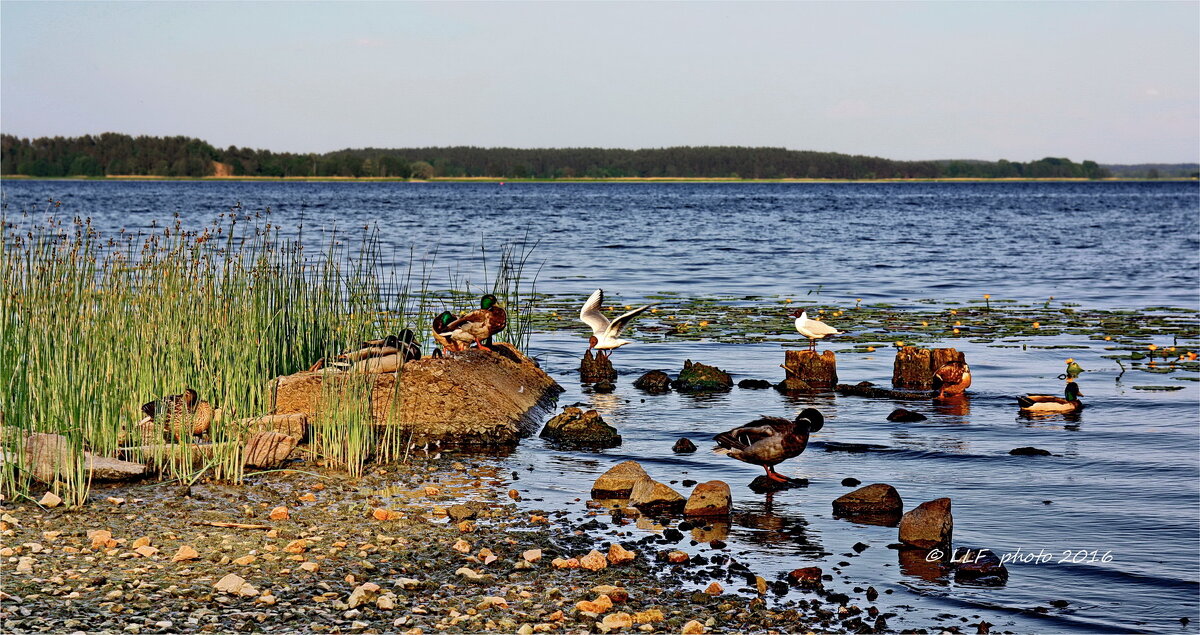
(1113,82)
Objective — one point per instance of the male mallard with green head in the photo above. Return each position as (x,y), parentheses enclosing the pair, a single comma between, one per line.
(440,328)
(478,325)
(1069,402)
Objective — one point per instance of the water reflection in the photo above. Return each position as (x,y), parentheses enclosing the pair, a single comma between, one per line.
(917,563)
(957,405)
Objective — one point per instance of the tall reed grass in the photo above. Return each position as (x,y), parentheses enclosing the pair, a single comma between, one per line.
(92,327)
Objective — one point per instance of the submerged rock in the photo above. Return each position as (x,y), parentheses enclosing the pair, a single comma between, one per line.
(979,566)
(577,428)
(650,496)
(655,381)
(906,416)
(596,369)
(929,525)
(619,480)
(876,504)
(1029,451)
(762,484)
(696,377)
(793,384)
(684,446)
(754,384)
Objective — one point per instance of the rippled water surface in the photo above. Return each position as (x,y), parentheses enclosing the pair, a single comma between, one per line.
(1124,475)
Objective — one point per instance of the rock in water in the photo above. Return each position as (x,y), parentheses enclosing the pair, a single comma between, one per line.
(929,525)
(709,499)
(793,384)
(595,369)
(684,446)
(754,384)
(655,381)
(817,370)
(807,577)
(876,504)
(1029,451)
(580,429)
(906,416)
(979,566)
(604,387)
(696,377)
(618,481)
(762,484)
(650,496)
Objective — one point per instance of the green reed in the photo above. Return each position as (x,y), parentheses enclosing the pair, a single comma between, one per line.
(92,327)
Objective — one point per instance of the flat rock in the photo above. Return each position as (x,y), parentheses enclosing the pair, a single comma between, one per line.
(655,381)
(762,484)
(104,468)
(649,496)
(696,377)
(929,525)
(754,384)
(1029,451)
(807,577)
(709,499)
(267,450)
(876,504)
(619,480)
(979,566)
(576,428)
(294,425)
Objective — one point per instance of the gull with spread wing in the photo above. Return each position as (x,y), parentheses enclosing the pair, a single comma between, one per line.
(605,333)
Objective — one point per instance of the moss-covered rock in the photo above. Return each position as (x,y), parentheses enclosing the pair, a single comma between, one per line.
(577,428)
(696,377)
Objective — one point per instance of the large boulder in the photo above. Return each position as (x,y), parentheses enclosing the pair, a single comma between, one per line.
(267,450)
(709,499)
(655,381)
(619,480)
(472,398)
(929,525)
(696,377)
(49,456)
(650,496)
(576,428)
(876,504)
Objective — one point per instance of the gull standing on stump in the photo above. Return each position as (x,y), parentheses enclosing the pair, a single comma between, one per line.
(605,334)
(812,329)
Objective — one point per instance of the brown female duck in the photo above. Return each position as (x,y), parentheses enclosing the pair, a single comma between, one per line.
(771,440)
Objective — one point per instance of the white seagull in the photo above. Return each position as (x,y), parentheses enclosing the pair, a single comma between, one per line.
(812,329)
(605,334)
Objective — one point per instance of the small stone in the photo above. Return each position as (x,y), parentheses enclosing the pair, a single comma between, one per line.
(532,555)
(650,616)
(604,387)
(186,552)
(280,513)
(655,381)
(468,573)
(684,446)
(146,551)
(905,416)
(380,513)
(141,542)
(601,604)
(754,384)
(363,594)
(567,563)
(714,589)
(244,560)
(693,627)
(617,620)
(100,538)
(677,557)
(297,546)
(51,500)
(461,546)
(459,513)
(386,602)
(879,500)
(594,561)
(493,601)
(576,428)
(310,567)
(115,501)
(696,377)
(619,555)
(235,585)
(25,564)
(807,577)
(709,499)
(851,482)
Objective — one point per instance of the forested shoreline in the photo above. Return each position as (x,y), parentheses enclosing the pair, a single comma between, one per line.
(113,154)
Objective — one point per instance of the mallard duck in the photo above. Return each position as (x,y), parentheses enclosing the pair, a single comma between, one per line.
(400,344)
(605,334)
(183,414)
(812,329)
(438,330)
(951,379)
(769,441)
(478,325)
(1049,403)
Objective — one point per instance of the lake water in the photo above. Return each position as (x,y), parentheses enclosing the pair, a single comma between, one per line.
(1124,478)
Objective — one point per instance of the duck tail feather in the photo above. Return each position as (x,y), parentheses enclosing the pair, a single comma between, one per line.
(728,441)
(1025,402)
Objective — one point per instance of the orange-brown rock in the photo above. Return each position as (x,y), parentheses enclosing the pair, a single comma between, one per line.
(648,495)
(293,425)
(709,499)
(619,480)
(878,498)
(594,561)
(266,450)
(929,525)
(468,398)
(808,577)
(601,604)
(619,555)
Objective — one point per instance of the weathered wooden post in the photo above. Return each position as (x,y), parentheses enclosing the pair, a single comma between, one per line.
(596,369)
(816,370)
(914,367)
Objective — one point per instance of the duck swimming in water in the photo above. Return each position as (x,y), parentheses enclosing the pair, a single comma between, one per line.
(812,329)
(478,325)
(951,379)
(605,334)
(1069,402)
(769,441)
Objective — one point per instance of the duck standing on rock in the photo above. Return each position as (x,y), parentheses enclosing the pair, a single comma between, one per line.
(769,441)
(183,414)
(439,329)
(605,334)
(951,379)
(812,329)
(1049,404)
(477,326)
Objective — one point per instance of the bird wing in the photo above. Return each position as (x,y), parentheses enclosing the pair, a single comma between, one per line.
(615,327)
(590,313)
(817,327)
(745,436)
(950,373)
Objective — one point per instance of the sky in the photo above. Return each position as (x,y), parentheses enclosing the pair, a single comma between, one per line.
(1114,82)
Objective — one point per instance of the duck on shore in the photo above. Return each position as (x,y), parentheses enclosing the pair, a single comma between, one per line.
(438,330)
(1069,402)
(477,326)
(183,414)
(605,333)
(768,441)
(812,329)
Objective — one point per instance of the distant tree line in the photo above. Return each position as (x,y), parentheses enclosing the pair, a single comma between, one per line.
(119,154)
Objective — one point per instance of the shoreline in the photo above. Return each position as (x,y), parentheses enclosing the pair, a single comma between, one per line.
(500,180)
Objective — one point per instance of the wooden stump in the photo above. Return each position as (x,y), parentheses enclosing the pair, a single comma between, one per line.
(914,367)
(596,369)
(817,370)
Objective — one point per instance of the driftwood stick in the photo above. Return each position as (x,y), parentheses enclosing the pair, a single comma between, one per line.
(217,523)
